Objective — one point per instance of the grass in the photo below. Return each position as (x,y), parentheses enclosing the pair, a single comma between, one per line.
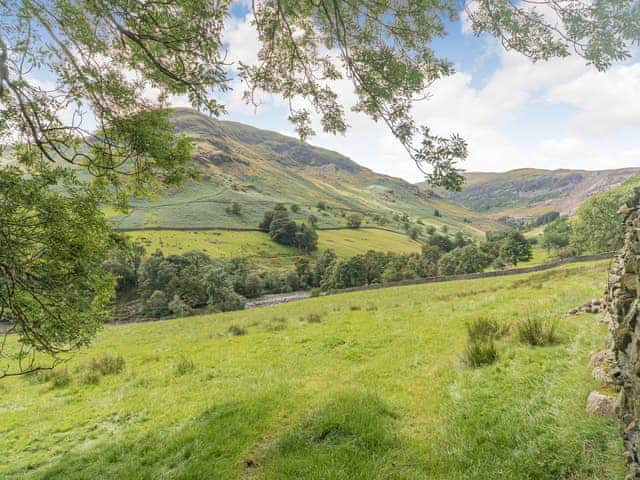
(347,243)
(266,253)
(363,394)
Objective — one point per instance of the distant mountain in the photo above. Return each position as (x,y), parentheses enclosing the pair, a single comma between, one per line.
(528,191)
(259,168)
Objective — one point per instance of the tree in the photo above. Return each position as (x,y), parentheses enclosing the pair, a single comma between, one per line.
(467,259)
(123,262)
(322,265)
(157,305)
(102,56)
(557,234)
(354,220)
(234,208)
(53,243)
(178,307)
(282,229)
(597,225)
(313,221)
(306,239)
(442,242)
(515,248)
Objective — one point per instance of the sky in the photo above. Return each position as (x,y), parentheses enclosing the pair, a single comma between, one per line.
(512,112)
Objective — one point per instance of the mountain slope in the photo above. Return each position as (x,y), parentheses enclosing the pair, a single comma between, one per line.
(529,191)
(258,168)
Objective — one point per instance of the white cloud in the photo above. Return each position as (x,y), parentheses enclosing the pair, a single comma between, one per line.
(576,106)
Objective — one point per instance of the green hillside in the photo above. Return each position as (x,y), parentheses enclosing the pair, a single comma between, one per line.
(529,191)
(258,168)
(265,253)
(358,386)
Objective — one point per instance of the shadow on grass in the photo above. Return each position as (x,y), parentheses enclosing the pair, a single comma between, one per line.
(208,447)
(355,436)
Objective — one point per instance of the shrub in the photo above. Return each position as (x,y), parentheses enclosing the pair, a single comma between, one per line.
(157,305)
(354,308)
(354,220)
(481,337)
(178,307)
(184,366)
(236,330)
(315,292)
(537,332)
(313,318)
(59,377)
(477,354)
(89,377)
(483,330)
(107,365)
(277,324)
(233,208)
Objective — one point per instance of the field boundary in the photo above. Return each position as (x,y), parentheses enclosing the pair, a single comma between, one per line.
(277,298)
(472,276)
(240,229)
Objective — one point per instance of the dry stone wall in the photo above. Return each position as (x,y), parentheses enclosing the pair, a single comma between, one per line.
(623,312)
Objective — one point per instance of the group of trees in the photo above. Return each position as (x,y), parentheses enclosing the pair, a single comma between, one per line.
(597,226)
(176,284)
(282,229)
(440,255)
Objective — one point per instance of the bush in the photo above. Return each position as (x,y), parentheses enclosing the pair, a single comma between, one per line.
(178,307)
(236,330)
(157,305)
(315,292)
(90,377)
(59,377)
(481,337)
(184,366)
(107,365)
(354,220)
(233,208)
(483,330)
(477,354)
(313,318)
(537,332)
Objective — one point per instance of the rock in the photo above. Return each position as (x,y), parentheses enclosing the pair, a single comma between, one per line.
(602,405)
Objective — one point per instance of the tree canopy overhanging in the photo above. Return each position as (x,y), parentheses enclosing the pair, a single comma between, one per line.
(66,64)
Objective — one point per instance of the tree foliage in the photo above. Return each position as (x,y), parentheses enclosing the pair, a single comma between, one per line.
(52,286)
(597,225)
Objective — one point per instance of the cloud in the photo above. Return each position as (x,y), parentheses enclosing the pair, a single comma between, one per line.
(549,114)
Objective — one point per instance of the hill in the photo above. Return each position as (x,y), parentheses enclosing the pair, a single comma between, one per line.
(267,254)
(529,191)
(258,168)
(358,386)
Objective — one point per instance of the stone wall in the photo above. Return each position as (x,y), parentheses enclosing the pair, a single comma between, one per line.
(623,311)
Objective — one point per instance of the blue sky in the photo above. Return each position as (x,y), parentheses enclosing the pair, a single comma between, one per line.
(513,113)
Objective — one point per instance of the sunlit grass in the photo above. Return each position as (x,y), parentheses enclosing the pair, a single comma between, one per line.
(375,389)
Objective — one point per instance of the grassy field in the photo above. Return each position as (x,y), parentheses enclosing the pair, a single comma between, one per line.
(266,253)
(365,385)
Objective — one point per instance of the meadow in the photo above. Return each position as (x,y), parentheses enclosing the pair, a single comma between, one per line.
(266,253)
(365,385)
